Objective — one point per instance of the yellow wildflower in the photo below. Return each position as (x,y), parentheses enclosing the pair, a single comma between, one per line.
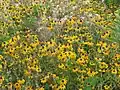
(1,79)
(41,88)
(107,87)
(43,80)
(1,57)
(17,86)
(63,81)
(61,66)
(103,65)
(9,86)
(114,71)
(29,88)
(21,81)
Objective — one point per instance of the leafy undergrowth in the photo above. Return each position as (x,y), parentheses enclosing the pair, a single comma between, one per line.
(59,45)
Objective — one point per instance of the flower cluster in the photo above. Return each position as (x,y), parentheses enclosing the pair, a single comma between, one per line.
(78,55)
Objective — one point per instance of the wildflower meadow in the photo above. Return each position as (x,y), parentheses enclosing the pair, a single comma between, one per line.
(59,44)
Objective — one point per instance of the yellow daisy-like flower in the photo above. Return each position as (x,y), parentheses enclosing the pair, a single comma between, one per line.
(62,66)
(1,57)
(98,59)
(103,65)
(1,79)
(9,86)
(80,21)
(27,73)
(105,34)
(54,75)
(114,71)
(61,87)
(81,50)
(114,45)
(38,69)
(91,73)
(41,88)
(75,69)
(63,81)
(72,55)
(62,56)
(16,56)
(50,28)
(21,81)
(117,56)
(80,61)
(43,80)
(17,86)
(106,52)
(4,44)
(107,87)
(88,43)
(29,88)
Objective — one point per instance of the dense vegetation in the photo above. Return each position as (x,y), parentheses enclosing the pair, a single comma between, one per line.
(59,45)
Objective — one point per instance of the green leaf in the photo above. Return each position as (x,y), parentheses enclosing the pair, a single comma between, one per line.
(69,63)
(107,2)
(88,88)
(35,11)
(4,38)
(47,86)
(92,81)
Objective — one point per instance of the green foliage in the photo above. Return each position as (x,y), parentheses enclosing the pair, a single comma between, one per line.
(47,86)
(81,55)
(116,28)
(112,2)
(29,21)
(91,82)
